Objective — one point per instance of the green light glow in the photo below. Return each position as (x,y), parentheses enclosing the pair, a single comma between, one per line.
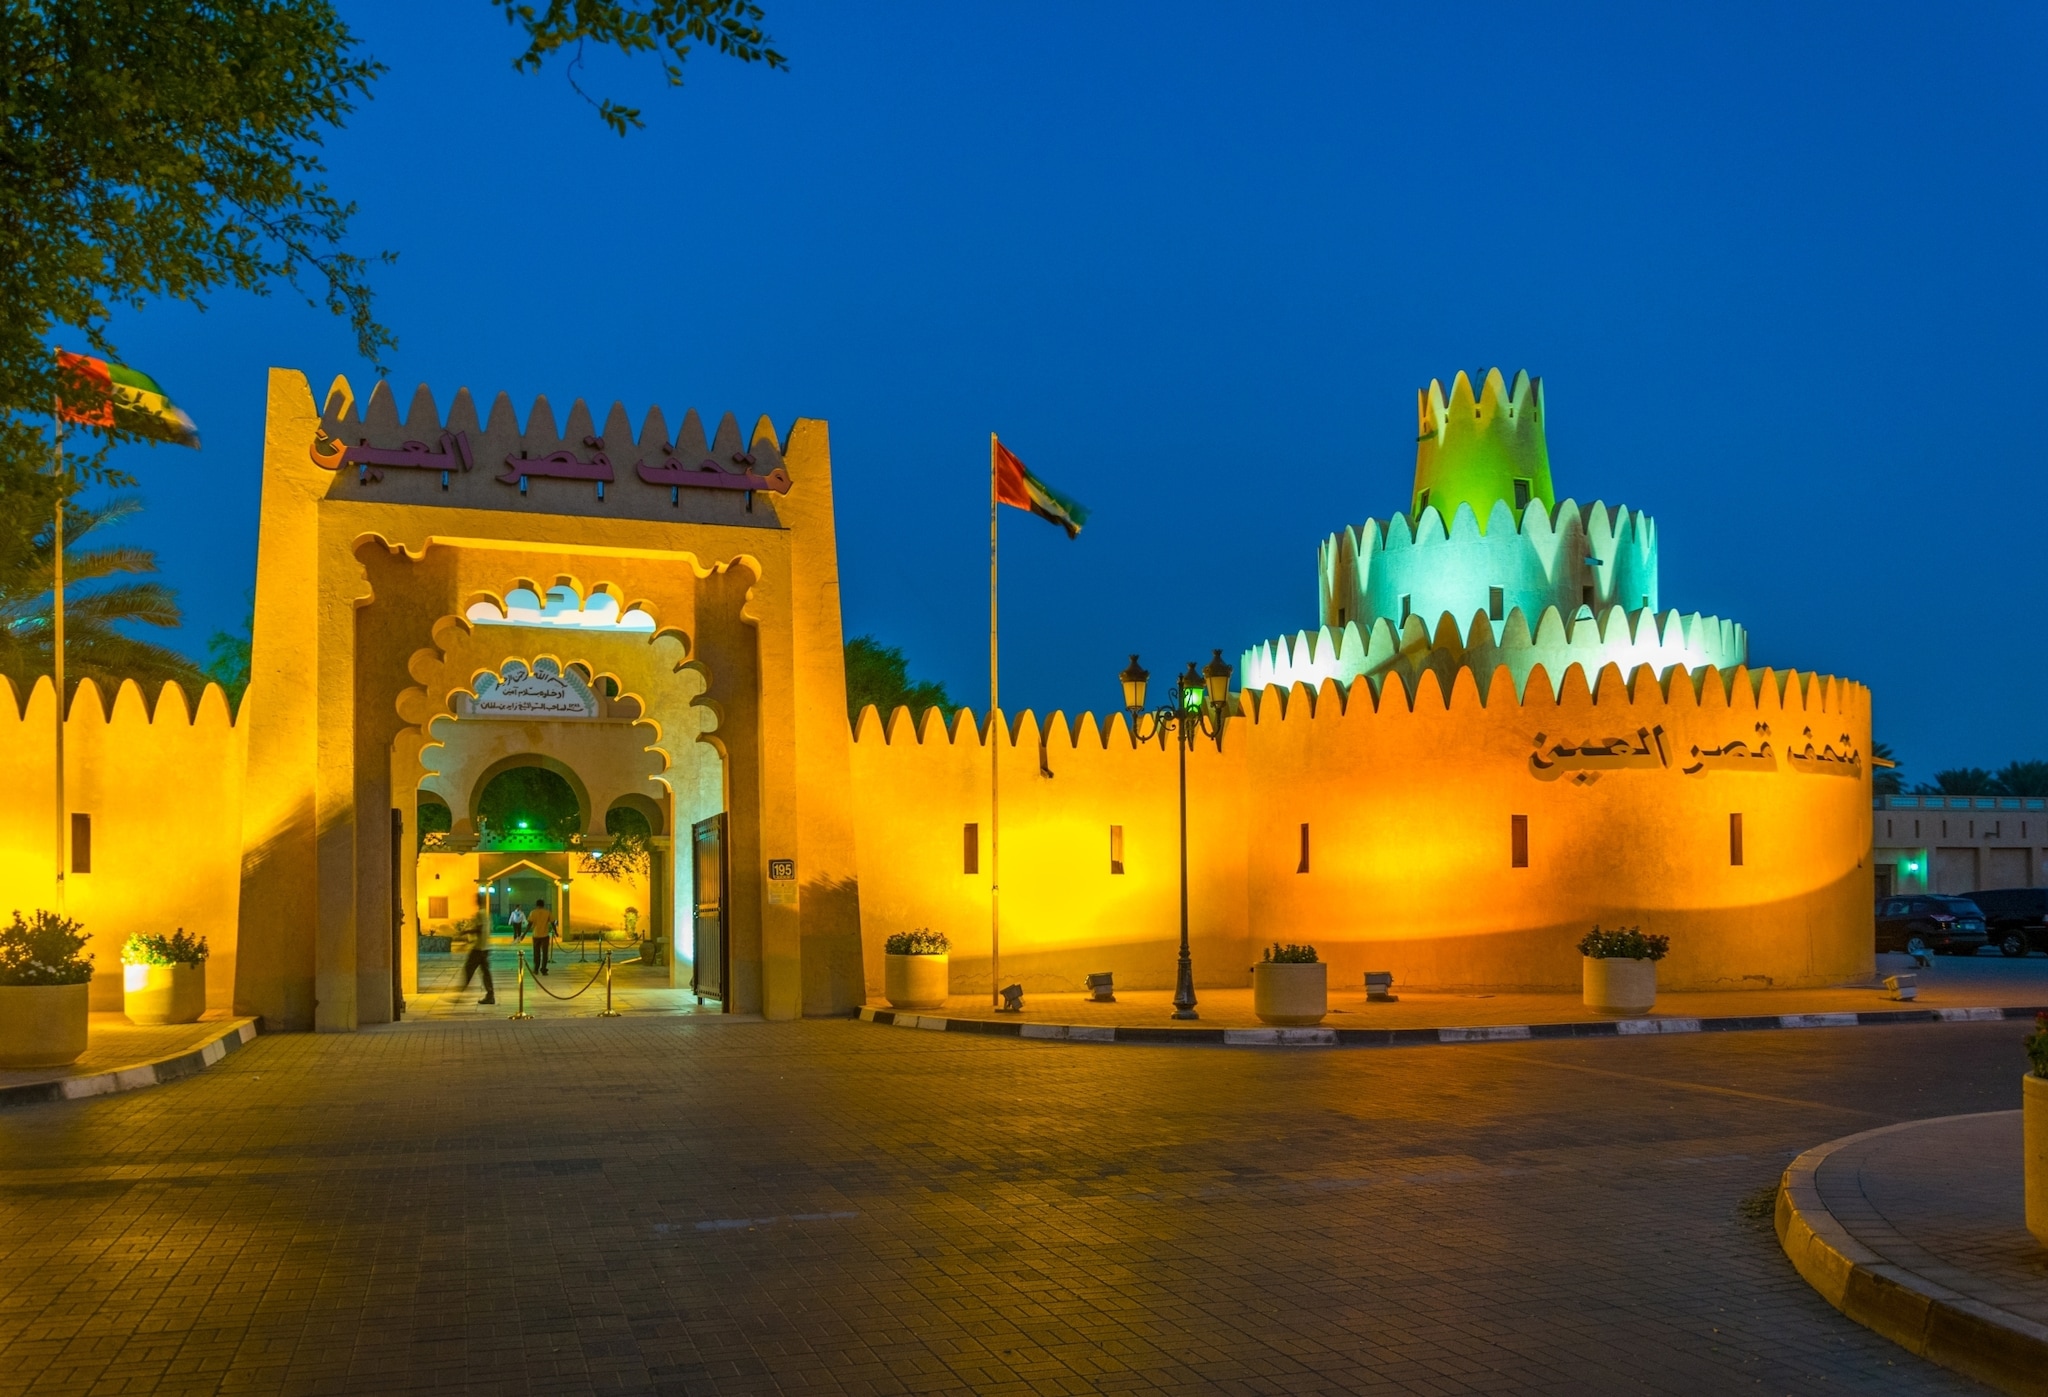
(1481,447)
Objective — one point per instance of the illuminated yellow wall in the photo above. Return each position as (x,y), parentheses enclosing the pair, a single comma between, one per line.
(165,795)
(1064,913)
(453,876)
(1409,812)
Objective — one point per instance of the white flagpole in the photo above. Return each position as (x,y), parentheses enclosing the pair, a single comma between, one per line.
(995,857)
(57,635)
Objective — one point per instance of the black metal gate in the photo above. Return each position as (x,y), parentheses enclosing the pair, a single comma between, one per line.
(710,968)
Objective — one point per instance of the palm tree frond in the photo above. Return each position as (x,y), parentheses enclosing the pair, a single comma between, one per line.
(95,646)
(141,603)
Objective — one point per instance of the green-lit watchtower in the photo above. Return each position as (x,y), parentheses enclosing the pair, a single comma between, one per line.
(1486,549)
(1478,450)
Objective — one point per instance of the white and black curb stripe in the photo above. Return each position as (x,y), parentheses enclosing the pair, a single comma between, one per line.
(1410,1037)
(148,1074)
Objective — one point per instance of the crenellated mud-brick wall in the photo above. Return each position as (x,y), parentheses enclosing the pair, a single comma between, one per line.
(163,788)
(1410,793)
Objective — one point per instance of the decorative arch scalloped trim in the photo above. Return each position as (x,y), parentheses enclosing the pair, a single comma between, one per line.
(560,606)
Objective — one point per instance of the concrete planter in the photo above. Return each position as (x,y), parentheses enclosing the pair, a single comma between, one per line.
(2034,1140)
(161,994)
(43,1025)
(1291,996)
(1618,985)
(917,982)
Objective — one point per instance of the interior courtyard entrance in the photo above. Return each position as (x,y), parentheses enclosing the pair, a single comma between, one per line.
(540,793)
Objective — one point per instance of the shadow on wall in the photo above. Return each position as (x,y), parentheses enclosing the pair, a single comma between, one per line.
(832,958)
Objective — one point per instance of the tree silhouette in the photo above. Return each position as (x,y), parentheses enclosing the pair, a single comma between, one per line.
(878,674)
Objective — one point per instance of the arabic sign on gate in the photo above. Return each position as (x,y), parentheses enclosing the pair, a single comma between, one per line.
(453,453)
(545,691)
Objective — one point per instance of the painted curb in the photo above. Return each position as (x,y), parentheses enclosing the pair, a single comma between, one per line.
(1411,1037)
(1980,1341)
(233,1034)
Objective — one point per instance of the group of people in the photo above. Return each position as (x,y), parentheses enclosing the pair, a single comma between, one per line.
(539,924)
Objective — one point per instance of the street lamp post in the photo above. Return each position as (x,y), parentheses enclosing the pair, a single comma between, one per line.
(1201,703)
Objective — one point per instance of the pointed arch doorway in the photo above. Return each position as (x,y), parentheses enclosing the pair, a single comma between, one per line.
(576,808)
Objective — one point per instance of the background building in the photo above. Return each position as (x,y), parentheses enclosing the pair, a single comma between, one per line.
(1957,844)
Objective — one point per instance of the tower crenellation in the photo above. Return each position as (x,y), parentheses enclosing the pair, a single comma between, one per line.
(1485,543)
(1480,448)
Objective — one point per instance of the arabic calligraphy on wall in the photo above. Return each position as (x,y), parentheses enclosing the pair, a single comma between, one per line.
(545,691)
(453,454)
(1585,762)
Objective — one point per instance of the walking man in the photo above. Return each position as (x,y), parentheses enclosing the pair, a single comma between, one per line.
(541,926)
(480,958)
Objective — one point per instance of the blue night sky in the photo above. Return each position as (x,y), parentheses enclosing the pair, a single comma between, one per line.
(1780,267)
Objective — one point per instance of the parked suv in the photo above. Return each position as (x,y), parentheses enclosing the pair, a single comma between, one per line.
(2016,919)
(1949,926)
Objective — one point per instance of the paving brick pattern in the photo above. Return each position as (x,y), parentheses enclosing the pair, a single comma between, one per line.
(1946,1201)
(708,1206)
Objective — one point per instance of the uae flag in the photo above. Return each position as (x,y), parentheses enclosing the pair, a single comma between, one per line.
(1016,485)
(99,390)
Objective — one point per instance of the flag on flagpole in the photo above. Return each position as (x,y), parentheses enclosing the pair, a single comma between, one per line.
(1017,486)
(112,386)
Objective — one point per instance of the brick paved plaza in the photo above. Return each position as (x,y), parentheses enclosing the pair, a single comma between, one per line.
(693,1206)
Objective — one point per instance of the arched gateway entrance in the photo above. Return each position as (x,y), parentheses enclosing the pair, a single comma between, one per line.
(654,619)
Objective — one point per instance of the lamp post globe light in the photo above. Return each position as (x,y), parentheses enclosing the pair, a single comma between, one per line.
(1201,702)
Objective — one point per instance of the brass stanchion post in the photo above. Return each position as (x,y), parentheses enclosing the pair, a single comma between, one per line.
(609,1012)
(520,1012)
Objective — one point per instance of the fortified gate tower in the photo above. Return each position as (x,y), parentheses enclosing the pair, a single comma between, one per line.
(440,597)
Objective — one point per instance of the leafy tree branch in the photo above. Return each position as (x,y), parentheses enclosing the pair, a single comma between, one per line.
(666,28)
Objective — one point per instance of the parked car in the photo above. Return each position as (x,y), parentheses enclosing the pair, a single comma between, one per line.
(2015,919)
(1949,926)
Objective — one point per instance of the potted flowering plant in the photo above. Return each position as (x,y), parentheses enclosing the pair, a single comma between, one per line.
(1620,969)
(1290,987)
(163,978)
(2034,1129)
(45,975)
(917,969)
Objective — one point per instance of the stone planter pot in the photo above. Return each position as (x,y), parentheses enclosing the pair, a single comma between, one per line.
(1291,996)
(917,982)
(43,1025)
(161,994)
(1618,985)
(2034,1141)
